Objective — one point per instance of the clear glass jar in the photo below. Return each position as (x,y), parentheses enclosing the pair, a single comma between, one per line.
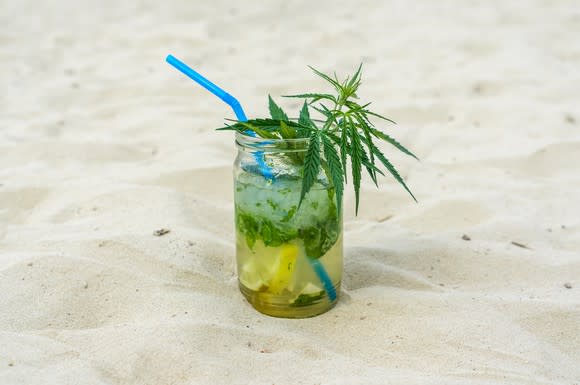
(289,257)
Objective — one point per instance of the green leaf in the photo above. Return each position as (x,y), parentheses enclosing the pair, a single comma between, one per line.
(392,170)
(323,111)
(369,166)
(255,227)
(308,299)
(366,130)
(320,238)
(335,138)
(344,147)
(305,116)
(350,86)
(315,97)
(311,164)
(346,134)
(355,108)
(335,169)
(379,116)
(265,124)
(286,131)
(228,127)
(387,138)
(356,78)
(331,118)
(356,161)
(336,84)
(260,131)
(276,112)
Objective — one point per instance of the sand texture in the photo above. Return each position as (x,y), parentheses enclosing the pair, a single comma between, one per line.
(102,143)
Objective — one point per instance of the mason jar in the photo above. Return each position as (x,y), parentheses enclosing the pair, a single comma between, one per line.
(289,253)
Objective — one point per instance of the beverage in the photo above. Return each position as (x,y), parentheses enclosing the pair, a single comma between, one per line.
(279,242)
(290,176)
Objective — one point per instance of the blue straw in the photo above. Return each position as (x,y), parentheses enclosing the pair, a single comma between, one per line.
(228,99)
(259,156)
(324,278)
(195,76)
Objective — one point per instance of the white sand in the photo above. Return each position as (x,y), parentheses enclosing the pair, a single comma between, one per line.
(102,143)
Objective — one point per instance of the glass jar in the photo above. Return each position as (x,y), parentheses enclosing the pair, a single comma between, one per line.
(289,255)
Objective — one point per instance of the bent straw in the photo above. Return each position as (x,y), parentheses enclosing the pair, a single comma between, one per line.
(208,85)
(266,171)
(227,98)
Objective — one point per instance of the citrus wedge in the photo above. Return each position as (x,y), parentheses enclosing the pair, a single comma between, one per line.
(284,269)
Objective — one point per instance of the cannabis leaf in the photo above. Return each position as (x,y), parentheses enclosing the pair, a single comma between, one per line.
(275,111)
(391,169)
(305,117)
(311,164)
(355,160)
(335,169)
(345,134)
(272,126)
(349,127)
(314,97)
(387,138)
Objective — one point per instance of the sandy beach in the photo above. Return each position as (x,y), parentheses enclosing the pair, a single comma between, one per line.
(102,143)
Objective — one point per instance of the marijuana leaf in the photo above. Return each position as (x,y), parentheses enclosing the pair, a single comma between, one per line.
(270,125)
(355,160)
(345,134)
(276,112)
(387,138)
(390,168)
(311,164)
(305,116)
(259,130)
(334,168)
(314,97)
(344,146)
(286,131)
(334,82)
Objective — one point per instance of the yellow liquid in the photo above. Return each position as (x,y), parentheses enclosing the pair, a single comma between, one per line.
(281,282)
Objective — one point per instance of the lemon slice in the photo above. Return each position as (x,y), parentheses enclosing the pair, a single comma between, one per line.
(284,269)
(252,275)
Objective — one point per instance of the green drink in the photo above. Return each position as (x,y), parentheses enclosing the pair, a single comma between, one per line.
(278,240)
(289,181)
